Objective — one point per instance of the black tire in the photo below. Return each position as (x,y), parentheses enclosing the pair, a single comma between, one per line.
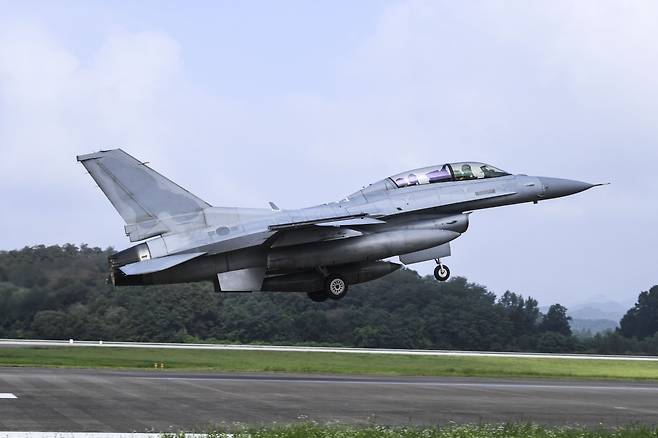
(441,272)
(318,297)
(335,287)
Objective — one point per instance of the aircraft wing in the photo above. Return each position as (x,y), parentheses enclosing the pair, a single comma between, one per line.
(350,222)
(336,221)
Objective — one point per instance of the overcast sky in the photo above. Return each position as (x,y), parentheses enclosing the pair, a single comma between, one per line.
(305,102)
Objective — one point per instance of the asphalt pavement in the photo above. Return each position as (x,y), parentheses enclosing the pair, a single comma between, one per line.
(131,401)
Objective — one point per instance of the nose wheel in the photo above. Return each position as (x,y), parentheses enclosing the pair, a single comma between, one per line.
(441,272)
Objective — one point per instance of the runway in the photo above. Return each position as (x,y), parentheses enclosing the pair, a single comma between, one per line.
(131,401)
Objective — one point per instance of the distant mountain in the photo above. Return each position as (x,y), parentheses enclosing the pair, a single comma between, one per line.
(610,310)
(585,327)
(597,315)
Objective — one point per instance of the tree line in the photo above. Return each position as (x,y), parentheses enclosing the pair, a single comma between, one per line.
(60,292)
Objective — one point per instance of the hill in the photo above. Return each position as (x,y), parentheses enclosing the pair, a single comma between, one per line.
(588,327)
(603,309)
(59,292)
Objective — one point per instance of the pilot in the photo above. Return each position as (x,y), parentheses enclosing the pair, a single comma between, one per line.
(491,172)
(467,172)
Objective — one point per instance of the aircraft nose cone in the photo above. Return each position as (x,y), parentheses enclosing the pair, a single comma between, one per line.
(557,187)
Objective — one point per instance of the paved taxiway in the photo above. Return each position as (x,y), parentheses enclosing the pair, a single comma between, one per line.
(113,401)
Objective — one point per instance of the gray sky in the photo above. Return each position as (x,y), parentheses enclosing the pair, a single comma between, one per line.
(305,102)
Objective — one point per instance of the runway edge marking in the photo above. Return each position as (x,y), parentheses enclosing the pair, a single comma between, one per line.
(35,434)
(299,349)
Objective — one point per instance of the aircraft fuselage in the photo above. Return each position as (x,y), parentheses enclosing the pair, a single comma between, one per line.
(319,250)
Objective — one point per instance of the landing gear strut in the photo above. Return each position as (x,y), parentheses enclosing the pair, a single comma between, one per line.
(441,272)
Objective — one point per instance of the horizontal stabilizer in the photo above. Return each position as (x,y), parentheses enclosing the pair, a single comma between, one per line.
(159,264)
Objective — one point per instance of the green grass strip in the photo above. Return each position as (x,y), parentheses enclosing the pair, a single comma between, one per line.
(311,430)
(324,363)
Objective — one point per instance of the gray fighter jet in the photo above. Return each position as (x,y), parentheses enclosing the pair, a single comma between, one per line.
(318,250)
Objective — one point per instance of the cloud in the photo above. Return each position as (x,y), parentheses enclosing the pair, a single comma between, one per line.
(55,104)
(514,80)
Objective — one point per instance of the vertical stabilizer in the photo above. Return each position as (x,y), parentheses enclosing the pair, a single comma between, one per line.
(149,203)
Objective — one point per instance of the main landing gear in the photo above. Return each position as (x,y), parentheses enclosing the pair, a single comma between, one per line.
(441,272)
(335,288)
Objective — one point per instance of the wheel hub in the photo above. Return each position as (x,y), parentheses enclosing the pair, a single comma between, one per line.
(336,286)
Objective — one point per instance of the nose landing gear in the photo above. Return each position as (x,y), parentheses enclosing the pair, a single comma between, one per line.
(441,272)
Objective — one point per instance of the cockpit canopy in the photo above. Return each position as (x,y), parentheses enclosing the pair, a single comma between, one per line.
(447,172)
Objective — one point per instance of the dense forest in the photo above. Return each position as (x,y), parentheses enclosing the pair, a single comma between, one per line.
(60,292)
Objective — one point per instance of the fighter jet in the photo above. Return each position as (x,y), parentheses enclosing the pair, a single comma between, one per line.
(319,250)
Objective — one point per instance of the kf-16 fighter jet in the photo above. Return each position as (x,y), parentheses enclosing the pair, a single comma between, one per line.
(318,250)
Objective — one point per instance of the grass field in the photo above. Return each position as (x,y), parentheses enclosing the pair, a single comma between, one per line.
(324,363)
(466,431)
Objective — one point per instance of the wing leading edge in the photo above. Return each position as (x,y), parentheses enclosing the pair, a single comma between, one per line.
(336,221)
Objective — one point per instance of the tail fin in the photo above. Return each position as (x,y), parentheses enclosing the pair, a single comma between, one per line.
(149,203)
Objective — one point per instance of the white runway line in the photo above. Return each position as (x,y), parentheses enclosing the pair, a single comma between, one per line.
(566,386)
(95,435)
(290,348)
(7,395)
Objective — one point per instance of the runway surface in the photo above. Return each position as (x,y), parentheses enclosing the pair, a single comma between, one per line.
(112,401)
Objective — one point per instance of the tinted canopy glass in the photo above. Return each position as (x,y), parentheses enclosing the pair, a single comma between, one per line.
(426,175)
(447,172)
(472,170)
